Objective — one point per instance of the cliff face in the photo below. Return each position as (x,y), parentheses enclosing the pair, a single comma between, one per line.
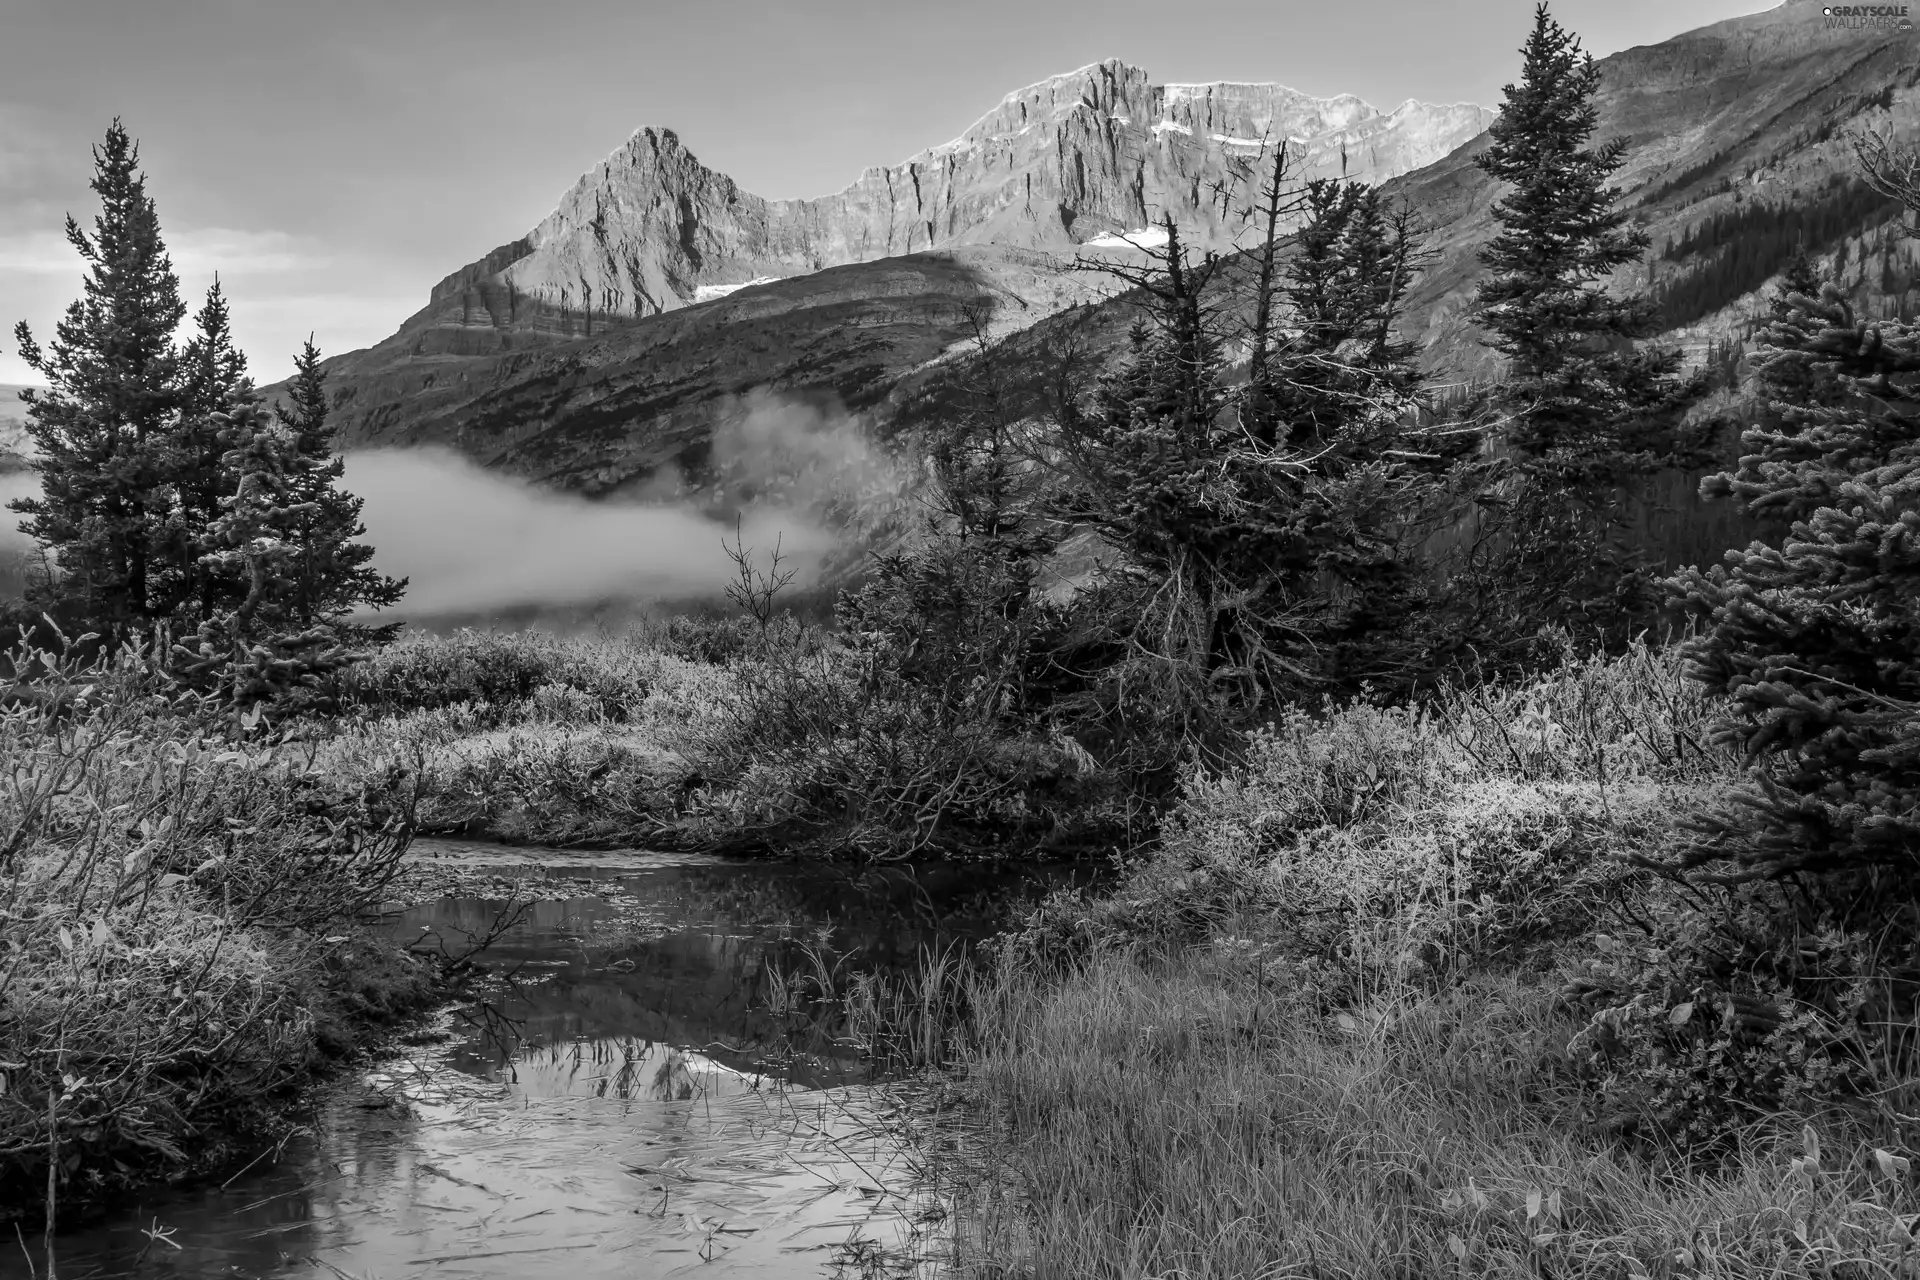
(1098,151)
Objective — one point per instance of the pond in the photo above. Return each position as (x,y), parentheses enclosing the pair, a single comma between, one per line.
(624,1097)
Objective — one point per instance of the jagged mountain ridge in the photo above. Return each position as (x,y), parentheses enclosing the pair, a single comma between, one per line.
(1736,118)
(1069,159)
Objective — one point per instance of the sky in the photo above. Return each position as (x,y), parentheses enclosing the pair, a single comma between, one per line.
(333,159)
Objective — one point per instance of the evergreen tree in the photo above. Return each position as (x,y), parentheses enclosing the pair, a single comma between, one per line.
(1260,560)
(103,429)
(1584,405)
(1813,638)
(1145,458)
(213,385)
(261,648)
(1345,287)
(1801,395)
(1561,231)
(331,574)
(1584,398)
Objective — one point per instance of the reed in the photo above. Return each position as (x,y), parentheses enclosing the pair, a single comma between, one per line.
(899,1021)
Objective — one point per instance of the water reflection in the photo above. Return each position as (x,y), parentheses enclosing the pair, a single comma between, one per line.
(622,1102)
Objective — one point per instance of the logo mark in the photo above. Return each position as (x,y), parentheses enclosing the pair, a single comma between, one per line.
(1869,17)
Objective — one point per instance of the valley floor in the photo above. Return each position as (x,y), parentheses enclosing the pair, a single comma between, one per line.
(1402,993)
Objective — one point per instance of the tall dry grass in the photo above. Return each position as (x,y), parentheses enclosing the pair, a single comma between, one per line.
(1188,1116)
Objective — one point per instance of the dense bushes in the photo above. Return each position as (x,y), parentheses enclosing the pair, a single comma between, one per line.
(495,670)
(1376,843)
(178,915)
(1399,993)
(1368,856)
(1710,1015)
(799,743)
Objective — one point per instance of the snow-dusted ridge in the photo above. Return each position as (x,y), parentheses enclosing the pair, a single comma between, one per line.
(1350,105)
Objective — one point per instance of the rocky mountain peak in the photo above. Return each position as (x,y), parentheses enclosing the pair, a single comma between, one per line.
(1074,158)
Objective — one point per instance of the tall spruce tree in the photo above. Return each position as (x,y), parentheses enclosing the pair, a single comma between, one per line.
(1582,396)
(104,426)
(1813,637)
(1585,405)
(213,385)
(331,573)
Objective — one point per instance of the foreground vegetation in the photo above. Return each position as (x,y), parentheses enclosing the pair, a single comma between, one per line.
(181,943)
(1402,997)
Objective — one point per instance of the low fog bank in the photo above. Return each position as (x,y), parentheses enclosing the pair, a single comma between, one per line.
(478,545)
(17,550)
(474,542)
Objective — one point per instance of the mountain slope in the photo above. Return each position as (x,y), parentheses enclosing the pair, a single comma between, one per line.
(607,413)
(1090,153)
(1745,121)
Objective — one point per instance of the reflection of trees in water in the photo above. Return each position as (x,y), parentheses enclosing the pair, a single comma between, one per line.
(703,983)
(702,992)
(677,963)
(889,912)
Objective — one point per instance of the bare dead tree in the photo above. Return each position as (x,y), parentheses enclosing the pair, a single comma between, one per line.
(1891,170)
(754,590)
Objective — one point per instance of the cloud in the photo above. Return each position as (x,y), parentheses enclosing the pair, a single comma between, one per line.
(38,253)
(228,249)
(28,153)
(195,251)
(473,542)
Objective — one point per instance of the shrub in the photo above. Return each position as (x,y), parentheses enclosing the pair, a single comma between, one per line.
(168,910)
(495,670)
(1379,844)
(1716,1014)
(835,752)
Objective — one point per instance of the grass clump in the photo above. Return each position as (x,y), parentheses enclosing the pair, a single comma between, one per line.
(1189,1115)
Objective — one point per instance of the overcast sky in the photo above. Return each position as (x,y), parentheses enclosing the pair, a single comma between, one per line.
(334,158)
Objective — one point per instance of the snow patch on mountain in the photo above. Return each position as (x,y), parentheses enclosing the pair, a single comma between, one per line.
(1145,238)
(710,292)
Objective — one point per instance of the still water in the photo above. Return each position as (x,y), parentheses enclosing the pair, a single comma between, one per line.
(624,1098)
